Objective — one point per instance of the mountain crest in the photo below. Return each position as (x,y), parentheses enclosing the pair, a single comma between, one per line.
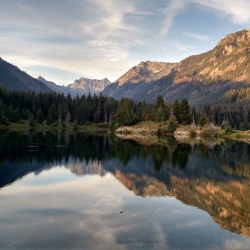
(198,78)
(89,85)
(146,72)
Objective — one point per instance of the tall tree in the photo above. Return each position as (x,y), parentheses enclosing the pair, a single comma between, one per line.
(125,114)
(184,112)
(159,109)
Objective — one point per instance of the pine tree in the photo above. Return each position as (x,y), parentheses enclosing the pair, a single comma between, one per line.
(176,110)
(50,118)
(159,108)
(125,114)
(184,112)
(160,114)
(39,116)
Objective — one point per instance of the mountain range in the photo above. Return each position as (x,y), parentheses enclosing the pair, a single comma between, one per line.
(12,78)
(200,78)
(80,87)
(207,77)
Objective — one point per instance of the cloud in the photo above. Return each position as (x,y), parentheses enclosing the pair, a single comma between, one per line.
(97,39)
(236,244)
(196,36)
(172,10)
(185,48)
(143,13)
(113,35)
(196,223)
(86,38)
(237,11)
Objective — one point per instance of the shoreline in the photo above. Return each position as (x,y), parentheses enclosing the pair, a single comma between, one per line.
(143,132)
(147,131)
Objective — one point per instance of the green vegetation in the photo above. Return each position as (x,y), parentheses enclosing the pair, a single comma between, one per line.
(48,111)
(53,110)
(125,114)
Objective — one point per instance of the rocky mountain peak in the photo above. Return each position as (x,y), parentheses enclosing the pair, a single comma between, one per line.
(40,78)
(233,41)
(146,72)
(236,38)
(226,62)
(89,85)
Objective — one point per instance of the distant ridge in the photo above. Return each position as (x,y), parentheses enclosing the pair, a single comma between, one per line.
(85,85)
(80,87)
(53,86)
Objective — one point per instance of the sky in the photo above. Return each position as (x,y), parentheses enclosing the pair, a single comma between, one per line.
(63,40)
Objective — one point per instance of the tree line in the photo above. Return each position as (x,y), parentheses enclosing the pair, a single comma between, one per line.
(60,110)
(56,109)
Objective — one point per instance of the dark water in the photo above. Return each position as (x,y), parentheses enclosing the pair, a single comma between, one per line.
(62,191)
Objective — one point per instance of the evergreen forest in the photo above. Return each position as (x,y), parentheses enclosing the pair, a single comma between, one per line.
(55,109)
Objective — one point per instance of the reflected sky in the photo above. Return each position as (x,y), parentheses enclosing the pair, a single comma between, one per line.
(70,192)
(61,210)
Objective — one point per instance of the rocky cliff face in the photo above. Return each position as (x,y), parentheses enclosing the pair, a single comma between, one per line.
(84,85)
(80,87)
(228,61)
(136,78)
(146,72)
(200,79)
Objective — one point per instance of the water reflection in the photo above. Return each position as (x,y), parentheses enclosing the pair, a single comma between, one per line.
(214,179)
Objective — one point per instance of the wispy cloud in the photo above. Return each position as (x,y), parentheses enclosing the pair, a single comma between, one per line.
(172,10)
(111,32)
(185,48)
(143,13)
(236,11)
(98,39)
(196,223)
(236,244)
(196,36)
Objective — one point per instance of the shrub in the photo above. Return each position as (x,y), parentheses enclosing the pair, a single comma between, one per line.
(207,132)
(171,127)
(228,130)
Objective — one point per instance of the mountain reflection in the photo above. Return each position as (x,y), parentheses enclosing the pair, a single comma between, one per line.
(214,179)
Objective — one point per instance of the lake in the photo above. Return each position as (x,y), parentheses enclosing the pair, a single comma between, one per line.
(76,191)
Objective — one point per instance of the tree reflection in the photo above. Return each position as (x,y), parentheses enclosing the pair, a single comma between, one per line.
(180,155)
(214,178)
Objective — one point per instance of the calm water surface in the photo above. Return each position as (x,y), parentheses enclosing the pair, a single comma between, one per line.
(62,191)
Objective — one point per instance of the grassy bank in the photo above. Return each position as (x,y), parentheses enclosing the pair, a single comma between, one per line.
(92,128)
(146,131)
(182,131)
(240,135)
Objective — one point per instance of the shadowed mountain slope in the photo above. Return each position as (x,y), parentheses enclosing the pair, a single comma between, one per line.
(14,79)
